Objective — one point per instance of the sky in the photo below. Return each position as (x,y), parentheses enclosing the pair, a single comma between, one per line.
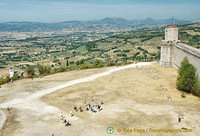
(67,10)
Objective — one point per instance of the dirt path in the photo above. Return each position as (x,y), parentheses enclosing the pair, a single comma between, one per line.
(2,119)
(35,115)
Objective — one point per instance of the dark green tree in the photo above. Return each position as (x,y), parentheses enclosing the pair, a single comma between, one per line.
(67,63)
(187,78)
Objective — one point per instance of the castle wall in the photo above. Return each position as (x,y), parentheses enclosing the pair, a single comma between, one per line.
(166,57)
(181,50)
(173,53)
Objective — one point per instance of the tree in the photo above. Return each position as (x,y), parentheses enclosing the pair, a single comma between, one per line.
(77,63)
(187,79)
(67,63)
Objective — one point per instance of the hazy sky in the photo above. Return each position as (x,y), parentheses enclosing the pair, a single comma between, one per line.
(64,10)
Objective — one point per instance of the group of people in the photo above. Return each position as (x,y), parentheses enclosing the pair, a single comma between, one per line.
(63,119)
(92,107)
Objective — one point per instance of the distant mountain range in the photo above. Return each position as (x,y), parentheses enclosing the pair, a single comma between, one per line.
(111,22)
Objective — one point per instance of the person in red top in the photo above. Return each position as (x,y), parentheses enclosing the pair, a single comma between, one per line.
(80,109)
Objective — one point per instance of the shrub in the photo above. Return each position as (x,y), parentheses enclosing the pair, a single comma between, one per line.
(112,64)
(67,58)
(122,55)
(44,70)
(116,51)
(84,66)
(71,62)
(30,71)
(97,64)
(15,76)
(126,50)
(187,79)
(60,69)
(183,95)
(2,81)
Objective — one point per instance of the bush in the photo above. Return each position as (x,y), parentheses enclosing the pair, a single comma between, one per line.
(97,64)
(116,51)
(183,95)
(122,55)
(84,66)
(5,79)
(60,69)
(15,76)
(2,81)
(112,64)
(30,72)
(126,50)
(187,79)
(44,70)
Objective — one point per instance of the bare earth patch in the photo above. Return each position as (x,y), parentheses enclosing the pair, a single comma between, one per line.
(132,99)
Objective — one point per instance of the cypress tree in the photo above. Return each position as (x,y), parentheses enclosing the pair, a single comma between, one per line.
(187,78)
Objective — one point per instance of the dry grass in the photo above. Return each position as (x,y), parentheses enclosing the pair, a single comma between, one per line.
(132,98)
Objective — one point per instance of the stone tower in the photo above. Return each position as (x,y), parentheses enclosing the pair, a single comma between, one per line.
(171,33)
(171,36)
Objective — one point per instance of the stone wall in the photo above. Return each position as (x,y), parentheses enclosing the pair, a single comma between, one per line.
(173,52)
(181,50)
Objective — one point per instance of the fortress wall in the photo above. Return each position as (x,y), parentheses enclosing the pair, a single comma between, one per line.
(166,57)
(181,50)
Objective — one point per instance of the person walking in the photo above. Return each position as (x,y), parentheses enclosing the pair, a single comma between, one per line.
(75,108)
(101,101)
(68,124)
(71,113)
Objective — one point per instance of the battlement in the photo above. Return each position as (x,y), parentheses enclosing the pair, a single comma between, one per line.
(172,26)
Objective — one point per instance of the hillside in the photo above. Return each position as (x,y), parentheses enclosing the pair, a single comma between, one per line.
(141,45)
(80,49)
(190,34)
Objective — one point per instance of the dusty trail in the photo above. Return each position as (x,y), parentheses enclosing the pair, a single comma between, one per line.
(31,106)
(2,118)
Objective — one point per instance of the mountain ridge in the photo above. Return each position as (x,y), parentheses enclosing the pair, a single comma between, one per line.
(24,26)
